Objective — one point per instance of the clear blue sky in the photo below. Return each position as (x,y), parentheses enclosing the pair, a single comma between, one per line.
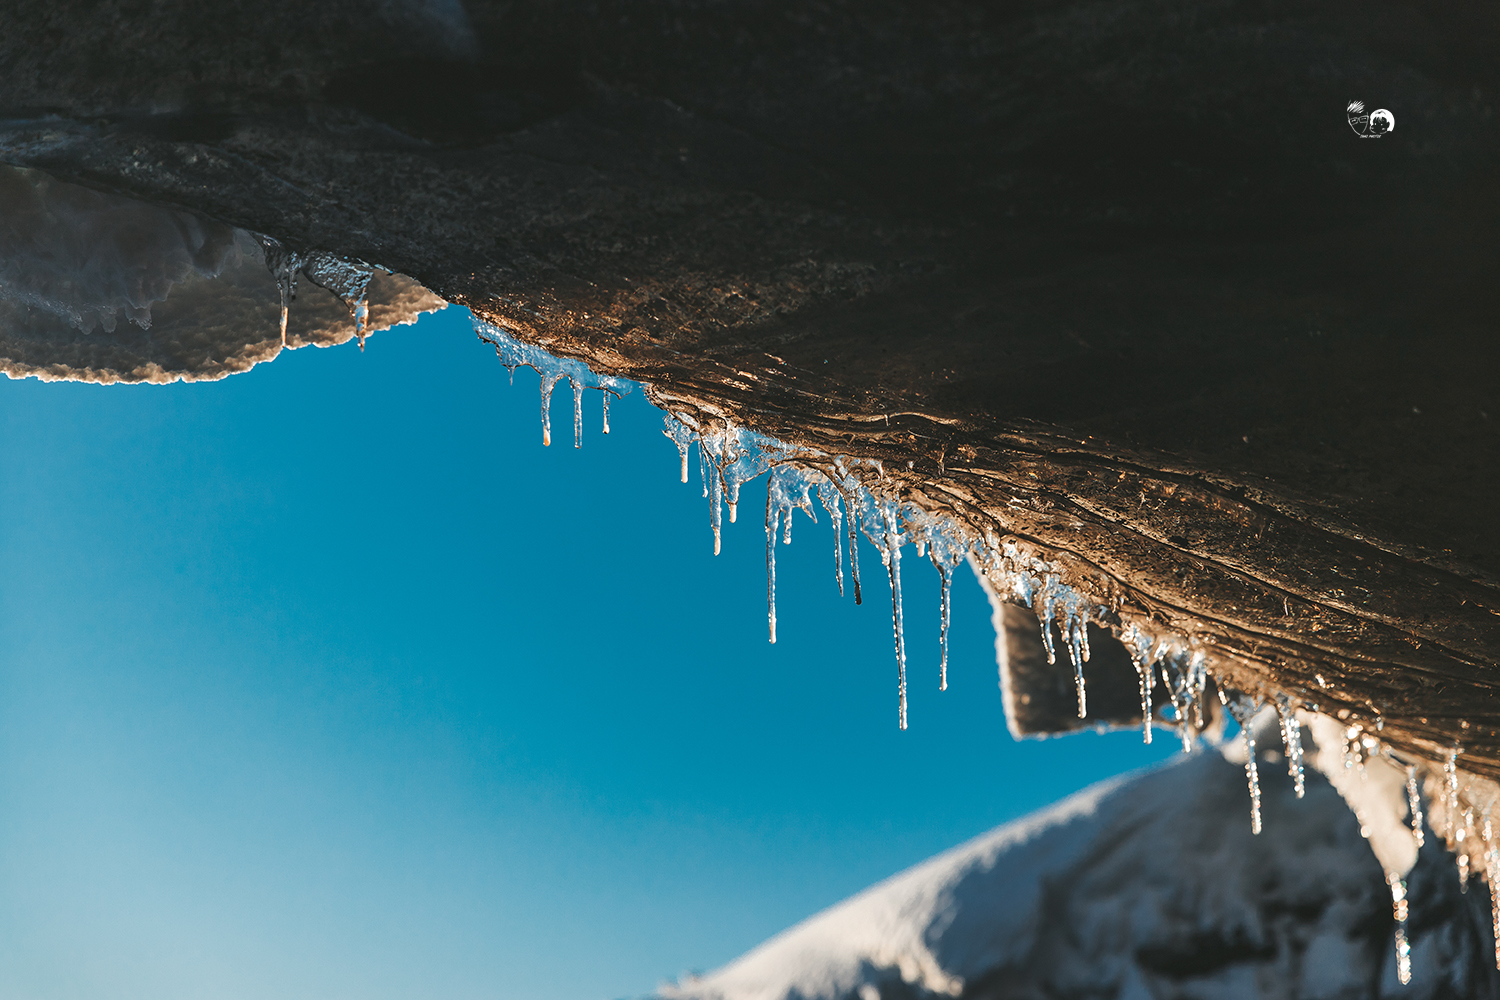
(328,681)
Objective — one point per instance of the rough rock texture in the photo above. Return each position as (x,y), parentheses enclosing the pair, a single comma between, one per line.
(1147,886)
(1112,277)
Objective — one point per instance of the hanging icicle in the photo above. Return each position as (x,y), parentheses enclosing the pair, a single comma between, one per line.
(787,489)
(1399,908)
(1291,740)
(1462,841)
(347,278)
(515,354)
(1492,875)
(828,496)
(1414,805)
(772,513)
(1243,707)
(1450,793)
(283,262)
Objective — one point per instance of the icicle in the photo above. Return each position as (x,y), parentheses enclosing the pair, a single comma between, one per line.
(892,559)
(549,382)
(882,525)
(607,394)
(1077,638)
(288,286)
(715,501)
(703,465)
(349,280)
(678,432)
(853,533)
(1414,804)
(1461,839)
(1492,875)
(1196,680)
(1044,616)
(771,515)
(283,263)
(787,489)
(1291,740)
(1243,708)
(1450,788)
(1399,908)
(1143,672)
(577,413)
(361,321)
(828,495)
(1179,683)
(945,614)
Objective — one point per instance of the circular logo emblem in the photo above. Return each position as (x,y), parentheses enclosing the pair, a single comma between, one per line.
(1370,126)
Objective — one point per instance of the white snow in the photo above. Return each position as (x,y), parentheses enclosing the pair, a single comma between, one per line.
(1147,885)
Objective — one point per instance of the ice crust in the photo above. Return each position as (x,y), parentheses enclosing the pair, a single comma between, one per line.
(859,497)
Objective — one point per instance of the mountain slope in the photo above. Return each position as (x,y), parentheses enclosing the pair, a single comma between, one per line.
(1146,886)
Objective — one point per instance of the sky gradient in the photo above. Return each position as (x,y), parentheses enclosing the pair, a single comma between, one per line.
(329,681)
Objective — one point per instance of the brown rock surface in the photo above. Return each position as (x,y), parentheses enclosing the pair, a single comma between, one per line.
(1113,278)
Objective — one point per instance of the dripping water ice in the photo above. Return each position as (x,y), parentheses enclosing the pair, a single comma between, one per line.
(1492,874)
(551,369)
(787,488)
(1291,740)
(1139,645)
(1399,912)
(1450,791)
(1414,804)
(946,545)
(881,524)
(349,280)
(283,263)
(1243,707)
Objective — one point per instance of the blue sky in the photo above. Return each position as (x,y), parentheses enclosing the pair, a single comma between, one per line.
(328,680)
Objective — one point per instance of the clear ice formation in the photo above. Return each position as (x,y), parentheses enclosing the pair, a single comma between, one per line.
(515,354)
(788,488)
(1492,875)
(860,499)
(1399,912)
(1450,791)
(1291,741)
(1414,805)
(1243,707)
(348,279)
(283,262)
(1139,646)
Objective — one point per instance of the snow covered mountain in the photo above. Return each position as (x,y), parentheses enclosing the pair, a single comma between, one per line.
(1146,886)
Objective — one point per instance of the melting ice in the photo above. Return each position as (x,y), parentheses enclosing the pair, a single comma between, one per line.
(515,354)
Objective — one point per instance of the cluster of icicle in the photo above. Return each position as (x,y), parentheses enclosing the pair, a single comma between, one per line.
(515,354)
(1463,808)
(345,277)
(851,494)
(857,498)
